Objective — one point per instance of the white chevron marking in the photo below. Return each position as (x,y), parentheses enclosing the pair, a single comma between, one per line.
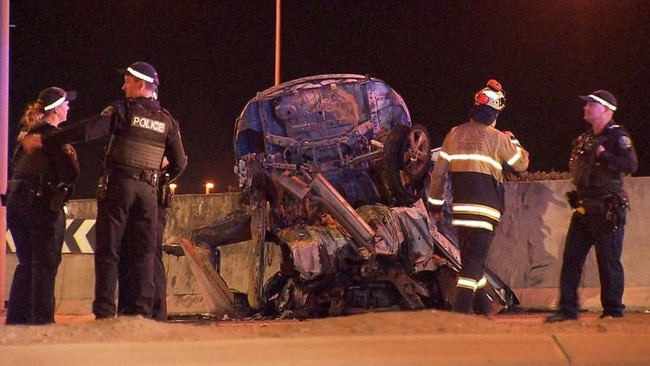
(10,242)
(80,236)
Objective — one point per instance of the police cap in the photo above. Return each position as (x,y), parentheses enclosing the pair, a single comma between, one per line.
(142,71)
(602,97)
(53,97)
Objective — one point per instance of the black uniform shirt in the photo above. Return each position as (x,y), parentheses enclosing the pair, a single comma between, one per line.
(619,158)
(55,165)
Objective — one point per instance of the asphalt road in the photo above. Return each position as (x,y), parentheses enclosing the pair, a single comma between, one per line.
(607,346)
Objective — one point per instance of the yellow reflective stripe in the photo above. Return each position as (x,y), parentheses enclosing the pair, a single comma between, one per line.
(482,283)
(468,283)
(516,157)
(435,201)
(473,224)
(478,210)
(476,157)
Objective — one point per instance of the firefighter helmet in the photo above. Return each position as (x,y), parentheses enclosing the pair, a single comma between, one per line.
(492,95)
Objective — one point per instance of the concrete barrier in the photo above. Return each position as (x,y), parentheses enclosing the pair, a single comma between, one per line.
(526,252)
(74,288)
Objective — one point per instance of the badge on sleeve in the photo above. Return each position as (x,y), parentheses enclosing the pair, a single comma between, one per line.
(108,111)
(68,149)
(624,142)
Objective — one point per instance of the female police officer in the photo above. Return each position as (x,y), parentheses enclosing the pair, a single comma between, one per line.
(37,191)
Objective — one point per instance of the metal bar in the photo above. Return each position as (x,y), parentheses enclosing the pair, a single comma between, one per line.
(4,137)
(278,27)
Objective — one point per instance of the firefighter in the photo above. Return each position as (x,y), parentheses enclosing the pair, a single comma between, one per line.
(600,158)
(140,133)
(474,156)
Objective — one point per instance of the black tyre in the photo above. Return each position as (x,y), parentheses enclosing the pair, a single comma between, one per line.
(407,161)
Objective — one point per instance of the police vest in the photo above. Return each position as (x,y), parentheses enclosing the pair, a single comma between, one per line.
(587,173)
(582,158)
(42,168)
(35,164)
(141,142)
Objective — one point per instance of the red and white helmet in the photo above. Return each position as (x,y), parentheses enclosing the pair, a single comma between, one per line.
(493,96)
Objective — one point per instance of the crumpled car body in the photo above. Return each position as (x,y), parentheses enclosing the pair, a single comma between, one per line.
(334,172)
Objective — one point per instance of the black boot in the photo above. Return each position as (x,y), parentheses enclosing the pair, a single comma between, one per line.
(560,317)
(464,301)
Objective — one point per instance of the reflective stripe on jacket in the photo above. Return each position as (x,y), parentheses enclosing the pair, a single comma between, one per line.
(475,154)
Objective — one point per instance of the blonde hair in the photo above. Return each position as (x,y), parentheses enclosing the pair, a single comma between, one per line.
(32,117)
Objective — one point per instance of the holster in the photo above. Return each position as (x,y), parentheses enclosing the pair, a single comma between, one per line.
(618,206)
(60,195)
(102,186)
(150,176)
(164,192)
(164,196)
(572,198)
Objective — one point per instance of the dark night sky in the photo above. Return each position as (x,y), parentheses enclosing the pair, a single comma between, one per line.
(213,56)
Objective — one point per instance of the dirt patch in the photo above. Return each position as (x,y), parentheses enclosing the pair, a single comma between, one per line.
(135,329)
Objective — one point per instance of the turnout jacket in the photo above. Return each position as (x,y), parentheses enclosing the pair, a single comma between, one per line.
(473,155)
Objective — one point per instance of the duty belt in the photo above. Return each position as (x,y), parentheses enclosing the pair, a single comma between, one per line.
(149,176)
(32,183)
(597,205)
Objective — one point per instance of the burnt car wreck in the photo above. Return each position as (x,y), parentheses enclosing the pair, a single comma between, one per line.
(333,172)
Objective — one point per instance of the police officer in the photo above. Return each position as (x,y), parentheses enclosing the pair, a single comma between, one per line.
(599,160)
(140,133)
(38,189)
(474,154)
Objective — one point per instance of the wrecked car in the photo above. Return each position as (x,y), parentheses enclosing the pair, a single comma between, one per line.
(334,172)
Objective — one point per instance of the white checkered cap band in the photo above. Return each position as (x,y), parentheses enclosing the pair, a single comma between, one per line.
(602,101)
(140,75)
(55,104)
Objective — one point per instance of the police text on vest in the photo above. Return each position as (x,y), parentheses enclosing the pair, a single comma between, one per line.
(149,124)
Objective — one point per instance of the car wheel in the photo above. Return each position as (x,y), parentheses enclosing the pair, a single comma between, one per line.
(407,161)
